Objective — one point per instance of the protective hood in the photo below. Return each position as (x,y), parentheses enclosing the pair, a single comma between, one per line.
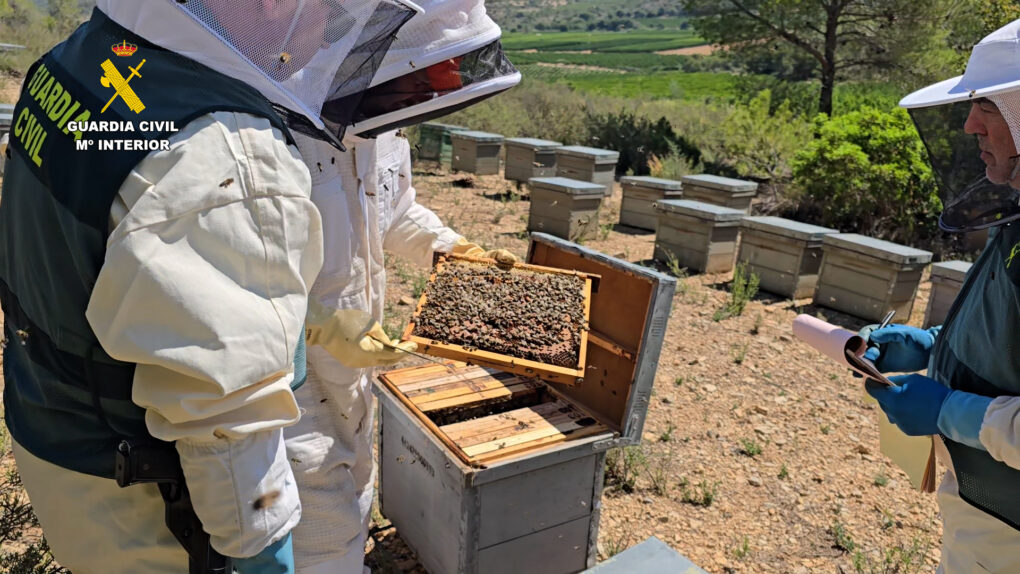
(443,60)
(989,86)
(290,50)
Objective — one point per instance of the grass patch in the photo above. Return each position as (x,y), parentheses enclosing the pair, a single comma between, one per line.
(742,290)
(750,447)
(701,495)
(623,466)
(626,42)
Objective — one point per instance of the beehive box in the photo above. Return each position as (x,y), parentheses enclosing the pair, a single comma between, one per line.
(476,152)
(526,494)
(566,208)
(434,141)
(868,277)
(724,191)
(785,254)
(946,280)
(588,164)
(639,196)
(528,157)
(524,319)
(701,236)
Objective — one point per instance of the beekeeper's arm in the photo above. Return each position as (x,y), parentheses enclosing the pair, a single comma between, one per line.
(920,406)
(416,232)
(204,287)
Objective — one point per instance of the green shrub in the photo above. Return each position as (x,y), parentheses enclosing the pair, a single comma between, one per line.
(638,139)
(867,172)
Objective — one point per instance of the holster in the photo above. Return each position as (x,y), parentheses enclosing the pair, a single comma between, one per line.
(146,460)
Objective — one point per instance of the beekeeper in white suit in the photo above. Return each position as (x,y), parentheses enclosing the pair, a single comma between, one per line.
(161,295)
(971,127)
(446,58)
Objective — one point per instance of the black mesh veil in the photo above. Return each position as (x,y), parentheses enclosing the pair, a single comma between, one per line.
(425,93)
(359,68)
(970,200)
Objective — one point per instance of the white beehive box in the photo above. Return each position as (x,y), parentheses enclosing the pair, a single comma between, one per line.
(869,277)
(588,164)
(529,157)
(785,254)
(717,190)
(529,499)
(946,280)
(701,236)
(639,196)
(476,152)
(566,208)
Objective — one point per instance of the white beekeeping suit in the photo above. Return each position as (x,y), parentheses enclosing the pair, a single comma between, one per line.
(368,207)
(213,246)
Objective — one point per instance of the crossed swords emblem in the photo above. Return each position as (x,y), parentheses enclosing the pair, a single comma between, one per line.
(113,78)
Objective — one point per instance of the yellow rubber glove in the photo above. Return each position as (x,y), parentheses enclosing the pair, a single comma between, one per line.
(353,337)
(466,248)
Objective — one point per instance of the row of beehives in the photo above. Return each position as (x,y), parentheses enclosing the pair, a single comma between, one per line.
(480,153)
(707,230)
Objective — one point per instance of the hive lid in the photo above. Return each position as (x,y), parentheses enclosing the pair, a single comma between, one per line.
(787,228)
(533,143)
(700,210)
(480,137)
(439,126)
(599,155)
(627,321)
(954,270)
(567,185)
(652,182)
(726,184)
(885,250)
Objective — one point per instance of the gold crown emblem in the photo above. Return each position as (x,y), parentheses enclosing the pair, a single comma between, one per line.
(124,49)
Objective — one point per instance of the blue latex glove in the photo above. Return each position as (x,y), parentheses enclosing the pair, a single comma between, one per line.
(277,558)
(900,348)
(914,404)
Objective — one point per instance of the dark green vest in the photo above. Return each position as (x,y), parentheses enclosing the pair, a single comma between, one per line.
(66,400)
(978,351)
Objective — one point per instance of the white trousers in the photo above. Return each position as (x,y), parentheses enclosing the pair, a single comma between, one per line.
(97,527)
(330,450)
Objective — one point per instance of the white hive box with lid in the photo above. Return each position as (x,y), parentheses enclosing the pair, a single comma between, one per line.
(868,277)
(513,483)
(566,208)
(785,254)
(476,152)
(946,280)
(529,157)
(639,196)
(588,164)
(717,190)
(701,236)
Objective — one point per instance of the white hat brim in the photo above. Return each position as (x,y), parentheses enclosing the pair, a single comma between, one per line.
(951,91)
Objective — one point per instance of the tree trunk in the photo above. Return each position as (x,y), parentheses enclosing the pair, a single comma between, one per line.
(829,65)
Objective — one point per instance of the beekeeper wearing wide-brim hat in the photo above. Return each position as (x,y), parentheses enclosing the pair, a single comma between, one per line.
(444,58)
(159,293)
(971,128)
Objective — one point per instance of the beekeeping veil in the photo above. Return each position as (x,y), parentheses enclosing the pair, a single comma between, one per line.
(970,200)
(443,60)
(292,51)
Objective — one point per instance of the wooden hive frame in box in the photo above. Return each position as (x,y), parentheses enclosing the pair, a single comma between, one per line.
(547,372)
(484,415)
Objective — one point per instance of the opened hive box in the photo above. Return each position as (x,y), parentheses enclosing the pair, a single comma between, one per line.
(488,471)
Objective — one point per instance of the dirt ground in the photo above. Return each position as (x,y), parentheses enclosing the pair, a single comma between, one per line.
(818,497)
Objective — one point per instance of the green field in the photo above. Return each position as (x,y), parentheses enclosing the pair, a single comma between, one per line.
(677,85)
(616,60)
(627,42)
